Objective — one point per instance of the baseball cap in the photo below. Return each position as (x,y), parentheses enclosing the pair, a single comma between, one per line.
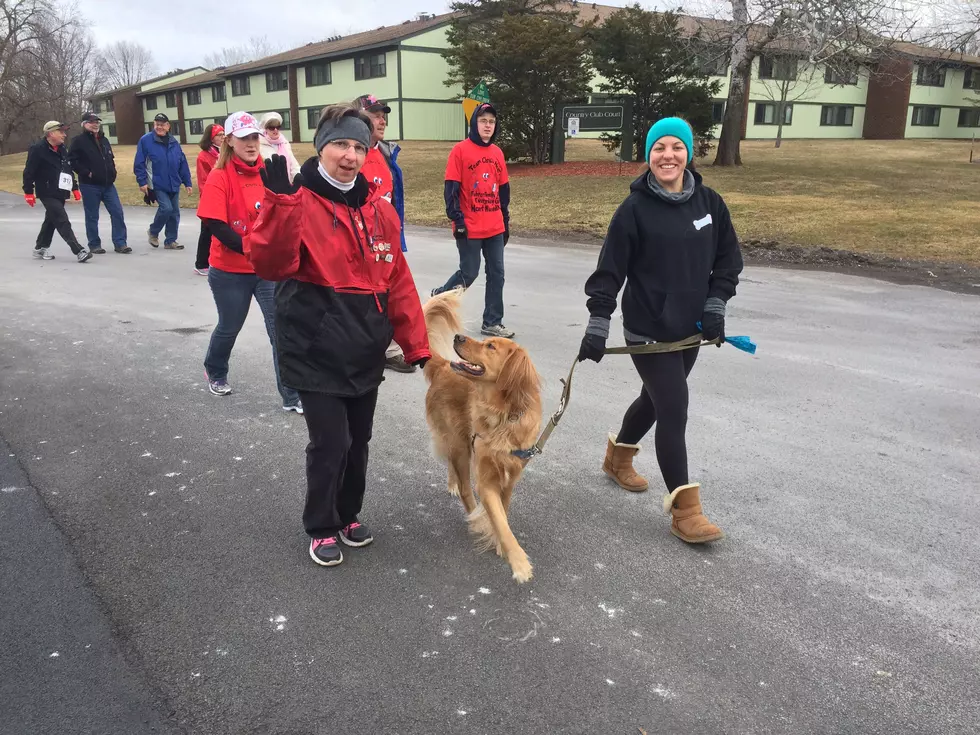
(160,117)
(91,117)
(241,125)
(370,103)
(53,125)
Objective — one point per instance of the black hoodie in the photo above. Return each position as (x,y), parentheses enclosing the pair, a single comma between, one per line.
(672,256)
(451,191)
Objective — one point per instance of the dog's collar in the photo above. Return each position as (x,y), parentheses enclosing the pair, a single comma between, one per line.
(525,454)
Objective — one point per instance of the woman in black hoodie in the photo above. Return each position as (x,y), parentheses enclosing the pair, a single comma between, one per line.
(672,243)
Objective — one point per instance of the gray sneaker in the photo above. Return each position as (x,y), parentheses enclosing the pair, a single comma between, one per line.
(497,330)
(84,255)
(173,246)
(42,254)
(154,240)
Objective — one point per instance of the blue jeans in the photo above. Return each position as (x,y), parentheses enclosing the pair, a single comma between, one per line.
(167,216)
(92,196)
(469,268)
(233,294)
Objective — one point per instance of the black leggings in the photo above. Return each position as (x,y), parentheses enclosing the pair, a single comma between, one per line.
(203,247)
(663,400)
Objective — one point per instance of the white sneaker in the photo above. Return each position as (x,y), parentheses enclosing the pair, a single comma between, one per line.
(42,254)
(84,255)
(296,407)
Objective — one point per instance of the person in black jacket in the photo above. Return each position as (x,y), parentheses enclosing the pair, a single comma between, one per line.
(48,178)
(672,243)
(91,158)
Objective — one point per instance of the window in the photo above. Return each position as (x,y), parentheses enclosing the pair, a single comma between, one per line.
(969,117)
(765,114)
(149,127)
(240,86)
(971,79)
(276,81)
(312,117)
(218,93)
(112,130)
(318,74)
(369,67)
(926,116)
(220,121)
(175,128)
(193,96)
(837,115)
(841,75)
(718,112)
(197,127)
(171,99)
(109,106)
(96,107)
(778,67)
(151,103)
(931,75)
(712,62)
(284,114)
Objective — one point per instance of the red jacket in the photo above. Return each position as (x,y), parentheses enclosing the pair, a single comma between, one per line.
(205,162)
(347,288)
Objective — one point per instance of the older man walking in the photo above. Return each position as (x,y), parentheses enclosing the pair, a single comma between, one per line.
(92,159)
(161,152)
(48,178)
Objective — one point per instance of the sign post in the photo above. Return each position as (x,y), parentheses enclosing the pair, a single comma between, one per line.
(576,119)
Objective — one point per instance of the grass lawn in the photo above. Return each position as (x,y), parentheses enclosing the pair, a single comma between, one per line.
(911,199)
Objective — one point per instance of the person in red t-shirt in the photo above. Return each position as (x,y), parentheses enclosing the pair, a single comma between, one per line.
(210,147)
(477,201)
(230,204)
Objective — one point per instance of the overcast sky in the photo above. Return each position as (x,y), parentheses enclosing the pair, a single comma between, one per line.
(181,32)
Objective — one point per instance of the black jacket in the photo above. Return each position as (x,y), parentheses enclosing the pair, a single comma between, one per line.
(672,256)
(44,167)
(92,159)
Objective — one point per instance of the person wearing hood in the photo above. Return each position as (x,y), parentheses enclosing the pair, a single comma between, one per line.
(385,181)
(477,193)
(210,145)
(273,142)
(92,159)
(229,207)
(673,245)
(345,290)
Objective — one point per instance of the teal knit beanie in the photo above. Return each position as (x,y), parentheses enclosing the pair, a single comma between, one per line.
(671,126)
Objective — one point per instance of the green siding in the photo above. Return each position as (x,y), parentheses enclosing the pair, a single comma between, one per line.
(951,95)
(806,124)
(171,79)
(424,77)
(343,88)
(257,98)
(207,110)
(306,133)
(948,126)
(433,120)
(435,38)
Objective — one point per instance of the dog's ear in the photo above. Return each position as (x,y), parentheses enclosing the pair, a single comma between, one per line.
(518,381)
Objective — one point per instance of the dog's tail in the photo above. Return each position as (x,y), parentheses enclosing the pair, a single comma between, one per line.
(442,324)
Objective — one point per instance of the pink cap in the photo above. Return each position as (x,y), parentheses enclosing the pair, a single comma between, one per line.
(241,125)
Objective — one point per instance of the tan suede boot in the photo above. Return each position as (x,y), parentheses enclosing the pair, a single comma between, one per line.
(689,522)
(619,466)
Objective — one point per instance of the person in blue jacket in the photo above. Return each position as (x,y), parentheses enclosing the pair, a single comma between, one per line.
(162,166)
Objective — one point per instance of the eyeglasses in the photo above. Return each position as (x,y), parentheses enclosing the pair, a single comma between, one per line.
(345,145)
(272,127)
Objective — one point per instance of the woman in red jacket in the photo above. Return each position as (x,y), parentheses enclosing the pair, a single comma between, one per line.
(346,290)
(229,207)
(210,145)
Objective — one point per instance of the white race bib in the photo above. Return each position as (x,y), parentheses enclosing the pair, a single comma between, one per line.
(65,182)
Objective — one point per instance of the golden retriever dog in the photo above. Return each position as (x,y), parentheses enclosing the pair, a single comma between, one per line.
(483,404)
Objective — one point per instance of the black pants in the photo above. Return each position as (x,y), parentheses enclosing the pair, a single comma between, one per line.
(56,218)
(336,459)
(663,400)
(203,247)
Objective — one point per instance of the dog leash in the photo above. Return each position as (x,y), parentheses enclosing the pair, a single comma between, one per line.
(743,343)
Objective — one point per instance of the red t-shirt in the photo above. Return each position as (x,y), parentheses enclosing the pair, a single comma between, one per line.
(375,169)
(480,171)
(214,205)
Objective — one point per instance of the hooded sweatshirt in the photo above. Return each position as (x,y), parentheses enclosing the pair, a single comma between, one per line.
(673,252)
(477,189)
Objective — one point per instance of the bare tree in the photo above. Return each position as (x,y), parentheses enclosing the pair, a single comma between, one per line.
(125,63)
(821,32)
(21,34)
(257,47)
(792,80)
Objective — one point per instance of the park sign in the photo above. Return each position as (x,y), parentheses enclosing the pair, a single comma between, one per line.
(474,98)
(593,118)
(573,119)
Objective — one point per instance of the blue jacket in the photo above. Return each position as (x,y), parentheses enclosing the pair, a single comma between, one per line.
(390,152)
(168,164)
